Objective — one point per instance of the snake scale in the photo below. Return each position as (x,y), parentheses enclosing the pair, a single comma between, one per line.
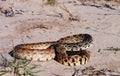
(70,50)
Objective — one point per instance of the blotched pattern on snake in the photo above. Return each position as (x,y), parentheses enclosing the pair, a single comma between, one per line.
(70,50)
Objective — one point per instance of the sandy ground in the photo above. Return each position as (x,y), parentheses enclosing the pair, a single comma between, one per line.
(35,22)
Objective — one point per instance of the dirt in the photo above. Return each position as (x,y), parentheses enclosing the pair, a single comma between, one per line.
(35,21)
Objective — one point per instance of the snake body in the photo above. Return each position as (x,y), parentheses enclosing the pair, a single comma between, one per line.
(76,42)
(35,51)
(70,50)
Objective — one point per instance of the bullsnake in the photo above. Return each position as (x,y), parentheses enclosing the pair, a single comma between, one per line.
(70,50)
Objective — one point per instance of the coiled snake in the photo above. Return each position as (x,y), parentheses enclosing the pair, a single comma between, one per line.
(70,50)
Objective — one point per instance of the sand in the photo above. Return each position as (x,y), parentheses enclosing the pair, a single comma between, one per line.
(35,22)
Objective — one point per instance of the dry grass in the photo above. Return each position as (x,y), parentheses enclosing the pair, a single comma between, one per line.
(17,67)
